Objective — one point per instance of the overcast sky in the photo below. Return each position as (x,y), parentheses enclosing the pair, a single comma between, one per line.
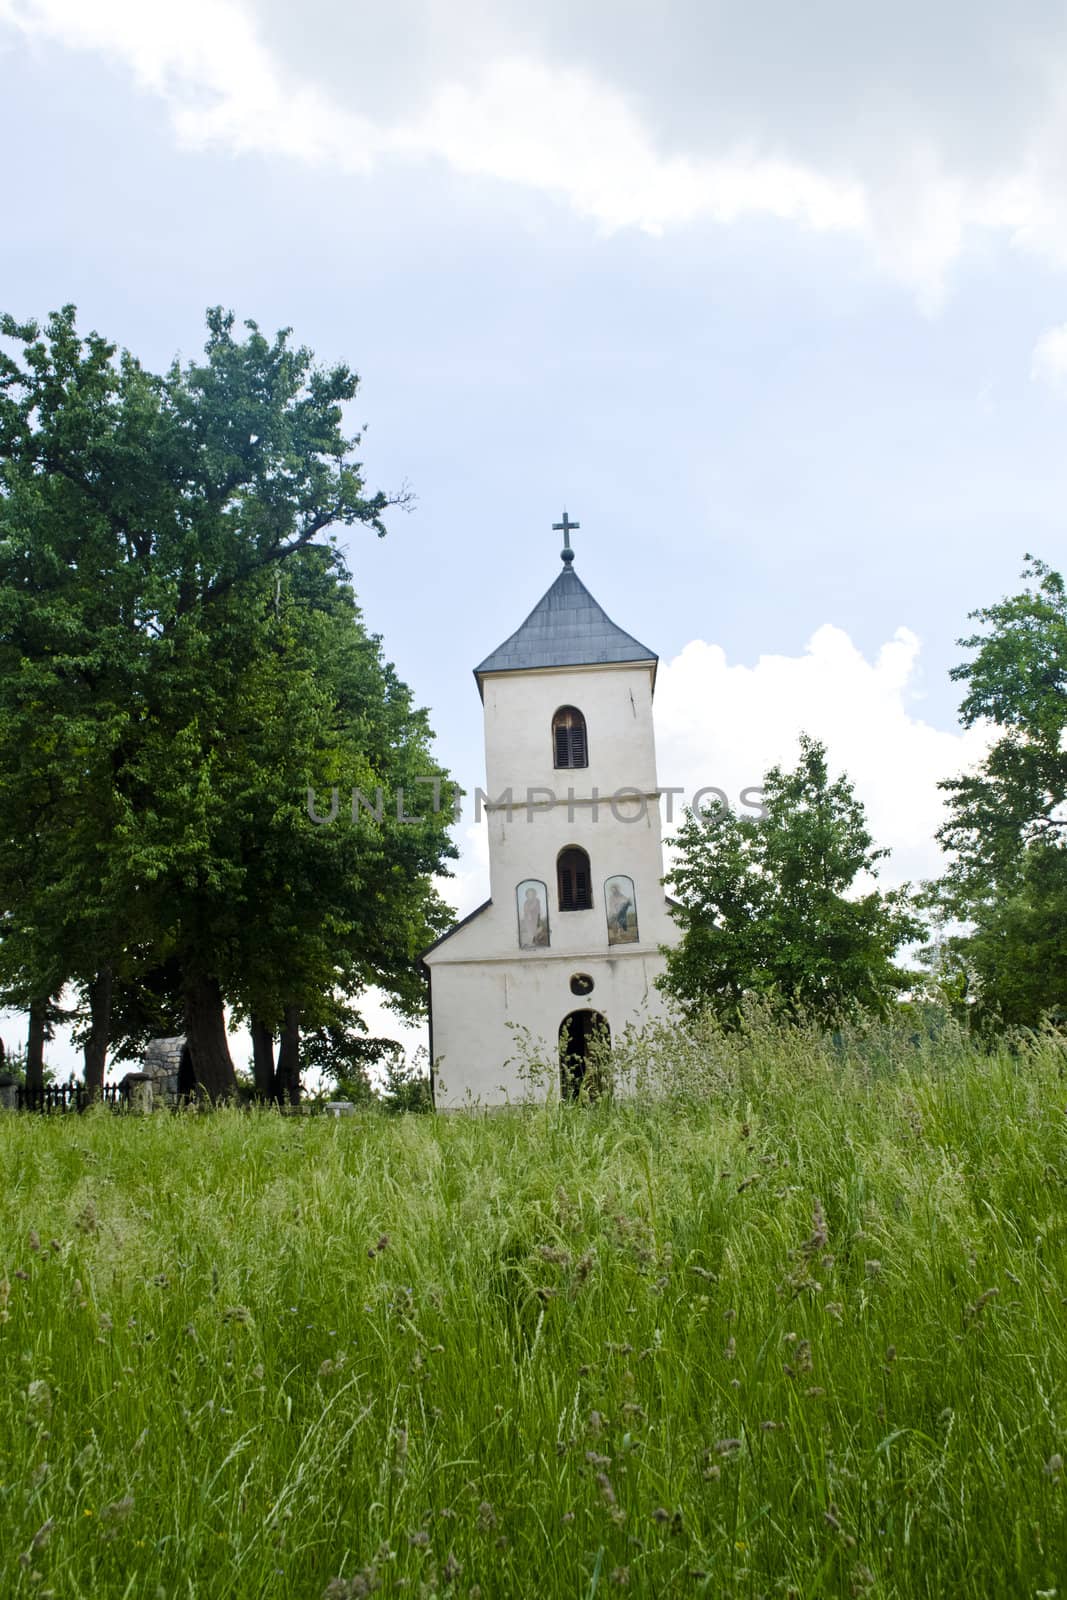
(773,298)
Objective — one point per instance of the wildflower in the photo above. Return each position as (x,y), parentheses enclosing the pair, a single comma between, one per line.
(237,1314)
(661,1514)
(43,1534)
(486,1516)
(982,1301)
(731,1348)
(567,1517)
(729,1315)
(604,1485)
(1054,1466)
(34,1241)
(835,1309)
(452,1568)
(620,1576)
(872,1268)
(555,1258)
(419,1539)
(727,1447)
(835,1522)
(596,1460)
(39,1397)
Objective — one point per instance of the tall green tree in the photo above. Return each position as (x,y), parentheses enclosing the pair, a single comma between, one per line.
(182,661)
(1006,831)
(769,906)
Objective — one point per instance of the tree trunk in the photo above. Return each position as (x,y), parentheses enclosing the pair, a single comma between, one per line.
(205,1034)
(98,1037)
(263,1059)
(35,1044)
(288,1076)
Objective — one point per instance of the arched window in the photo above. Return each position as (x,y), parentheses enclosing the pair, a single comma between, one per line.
(569,745)
(575,883)
(620,908)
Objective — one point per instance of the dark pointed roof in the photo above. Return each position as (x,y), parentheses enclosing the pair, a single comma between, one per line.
(566,628)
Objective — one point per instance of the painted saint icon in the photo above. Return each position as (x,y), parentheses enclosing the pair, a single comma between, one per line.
(532,897)
(620,904)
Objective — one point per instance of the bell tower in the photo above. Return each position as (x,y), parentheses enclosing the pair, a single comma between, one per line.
(567,947)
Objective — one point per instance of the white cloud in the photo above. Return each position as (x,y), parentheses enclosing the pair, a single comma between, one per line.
(725,725)
(639,136)
(1049,361)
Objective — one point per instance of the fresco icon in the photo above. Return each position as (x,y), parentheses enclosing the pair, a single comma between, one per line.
(620,904)
(532,897)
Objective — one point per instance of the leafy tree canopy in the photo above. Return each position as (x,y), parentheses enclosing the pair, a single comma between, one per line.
(768,905)
(181,660)
(1006,831)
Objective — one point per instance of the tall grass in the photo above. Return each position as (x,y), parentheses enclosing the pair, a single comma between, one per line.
(793,1325)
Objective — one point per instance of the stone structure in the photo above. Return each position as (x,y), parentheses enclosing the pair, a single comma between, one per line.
(166,1067)
(567,947)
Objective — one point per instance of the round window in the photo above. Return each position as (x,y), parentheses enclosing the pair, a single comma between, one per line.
(581,983)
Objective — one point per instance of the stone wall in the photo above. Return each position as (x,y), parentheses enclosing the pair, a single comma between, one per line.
(162,1064)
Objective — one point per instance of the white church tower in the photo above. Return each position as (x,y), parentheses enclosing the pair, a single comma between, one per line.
(568,944)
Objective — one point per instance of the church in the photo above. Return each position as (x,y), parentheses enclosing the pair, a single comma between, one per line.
(565,952)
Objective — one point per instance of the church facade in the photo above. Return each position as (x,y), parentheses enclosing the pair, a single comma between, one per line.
(565,952)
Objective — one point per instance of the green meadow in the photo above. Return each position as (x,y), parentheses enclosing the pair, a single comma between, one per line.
(793,1325)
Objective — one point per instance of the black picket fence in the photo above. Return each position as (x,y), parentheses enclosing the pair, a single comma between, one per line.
(71,1096)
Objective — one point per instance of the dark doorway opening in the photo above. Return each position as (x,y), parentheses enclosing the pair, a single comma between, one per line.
(584,1041)
(186,1075)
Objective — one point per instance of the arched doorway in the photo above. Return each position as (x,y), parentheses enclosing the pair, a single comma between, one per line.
(584,1040)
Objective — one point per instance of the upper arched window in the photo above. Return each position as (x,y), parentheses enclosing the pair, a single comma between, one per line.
(575,883)
(569,745)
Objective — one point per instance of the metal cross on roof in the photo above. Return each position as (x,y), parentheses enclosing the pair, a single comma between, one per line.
(564,527)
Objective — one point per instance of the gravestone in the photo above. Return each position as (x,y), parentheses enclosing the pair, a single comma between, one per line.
(139,1087)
